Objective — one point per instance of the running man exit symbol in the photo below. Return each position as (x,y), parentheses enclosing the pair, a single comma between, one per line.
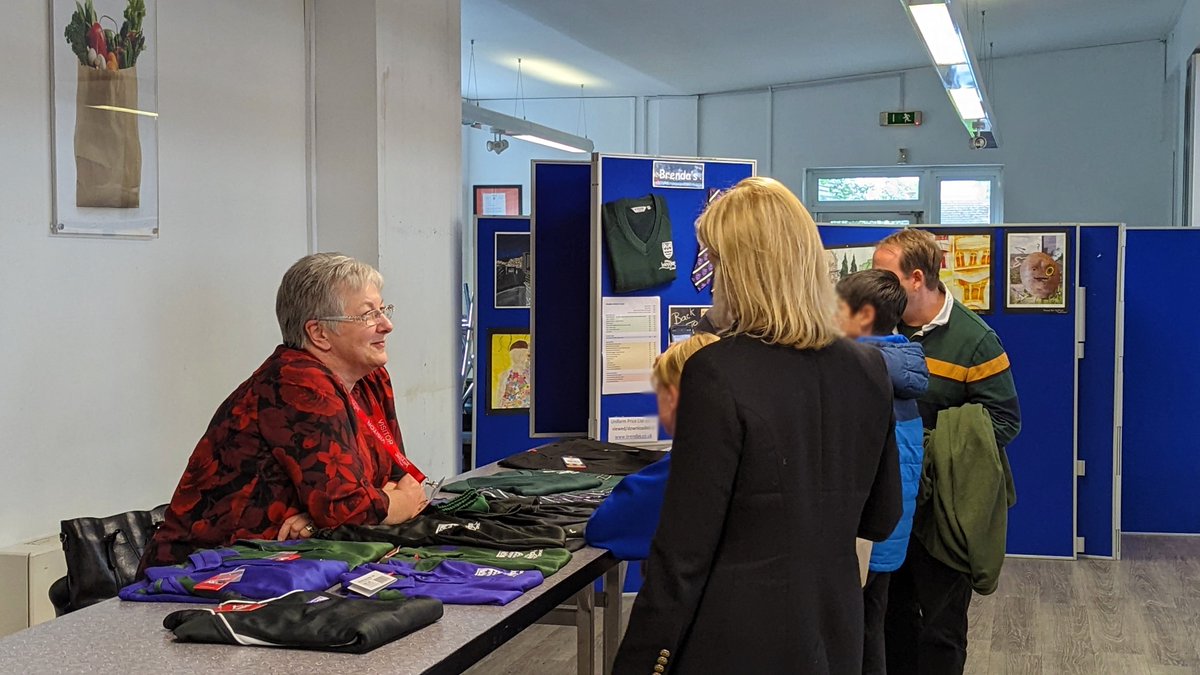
(910,118)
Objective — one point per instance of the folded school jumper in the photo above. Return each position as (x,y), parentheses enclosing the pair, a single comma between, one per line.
(530,483)
(454,582)
(596,456)
(304,620)
(464,529)
(254,570)
(547,561)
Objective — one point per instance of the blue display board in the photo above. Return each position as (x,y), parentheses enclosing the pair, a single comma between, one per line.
(1160,456)
(1041,348)
(561,225)
(496,434)
(625,177)
(1099,273)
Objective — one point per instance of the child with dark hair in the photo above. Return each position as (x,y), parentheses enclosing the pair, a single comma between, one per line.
(870,304)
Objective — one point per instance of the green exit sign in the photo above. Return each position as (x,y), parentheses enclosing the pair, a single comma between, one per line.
(905,118)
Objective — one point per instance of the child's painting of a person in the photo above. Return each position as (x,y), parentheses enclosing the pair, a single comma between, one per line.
(510,367)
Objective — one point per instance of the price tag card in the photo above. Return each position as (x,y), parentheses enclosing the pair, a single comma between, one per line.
(371,583)
(216,583)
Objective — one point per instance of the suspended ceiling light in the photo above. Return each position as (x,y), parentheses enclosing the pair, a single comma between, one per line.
(941,37)
(508,125)
(966,101)
(944,34)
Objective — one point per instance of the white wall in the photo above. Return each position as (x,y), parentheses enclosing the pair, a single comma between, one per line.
(419,221)
(611,124)
(671,125)
(346,143)
(1082,132)
(736,126)
(114,354)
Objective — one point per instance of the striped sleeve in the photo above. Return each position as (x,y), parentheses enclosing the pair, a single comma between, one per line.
(989,381)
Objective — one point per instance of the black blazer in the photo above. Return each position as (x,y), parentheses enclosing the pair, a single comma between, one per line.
(781,457)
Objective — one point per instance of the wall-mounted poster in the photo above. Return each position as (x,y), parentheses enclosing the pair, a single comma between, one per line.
(510,386)
(683,319)
(513,273)
(104,93)
(846,260)
(497,200)
(1036,271)
(967,268)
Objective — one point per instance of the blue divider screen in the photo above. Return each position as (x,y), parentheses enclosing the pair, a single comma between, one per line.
(496,436)
(561,226)
(1041,348)
(630,177)
(1160,454)
(1098,267)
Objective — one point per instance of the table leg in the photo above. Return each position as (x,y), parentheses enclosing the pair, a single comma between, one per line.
(614,585)
(585,630)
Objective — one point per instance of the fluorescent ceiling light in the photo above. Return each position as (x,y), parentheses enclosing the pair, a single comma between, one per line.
(507,125)
(113,108)
(548,143)
(939,33)
(943,31)
(968,103)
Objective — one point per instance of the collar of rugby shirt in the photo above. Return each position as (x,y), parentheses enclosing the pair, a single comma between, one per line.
(942,318)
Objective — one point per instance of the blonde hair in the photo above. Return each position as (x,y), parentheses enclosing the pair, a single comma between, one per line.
(668,367)
(313,287)
(918,251)
(771,263)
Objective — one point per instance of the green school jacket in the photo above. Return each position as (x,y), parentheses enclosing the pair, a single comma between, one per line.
(966,491)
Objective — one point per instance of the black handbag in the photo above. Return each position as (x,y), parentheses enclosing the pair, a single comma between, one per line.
(103,553)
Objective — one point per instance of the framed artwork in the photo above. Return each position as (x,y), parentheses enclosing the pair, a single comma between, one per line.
(497,200)
(846,260)
(514,281)
(967,268)
(509,386)
(104,97)
(1036,272)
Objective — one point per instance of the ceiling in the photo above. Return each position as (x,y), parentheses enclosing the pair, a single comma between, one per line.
(623,47)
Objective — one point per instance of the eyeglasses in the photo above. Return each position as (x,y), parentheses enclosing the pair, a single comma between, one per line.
(370,319)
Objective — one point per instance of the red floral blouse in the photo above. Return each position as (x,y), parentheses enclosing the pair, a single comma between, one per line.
(286,441)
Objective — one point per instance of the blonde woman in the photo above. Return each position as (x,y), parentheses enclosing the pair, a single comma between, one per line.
(783,453)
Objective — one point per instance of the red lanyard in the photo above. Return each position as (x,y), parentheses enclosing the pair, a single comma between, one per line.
(383,435)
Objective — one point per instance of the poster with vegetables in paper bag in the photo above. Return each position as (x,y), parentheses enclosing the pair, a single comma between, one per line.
(105,99)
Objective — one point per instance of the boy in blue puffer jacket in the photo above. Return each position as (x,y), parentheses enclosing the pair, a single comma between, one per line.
(870,304)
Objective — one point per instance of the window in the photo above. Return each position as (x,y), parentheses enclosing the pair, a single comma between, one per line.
(869,189)
(905,195)
(965,202)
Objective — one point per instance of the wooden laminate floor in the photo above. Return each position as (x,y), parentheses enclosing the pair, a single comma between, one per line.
(1136,616)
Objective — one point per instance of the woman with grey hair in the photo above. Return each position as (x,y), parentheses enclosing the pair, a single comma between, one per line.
(311,439)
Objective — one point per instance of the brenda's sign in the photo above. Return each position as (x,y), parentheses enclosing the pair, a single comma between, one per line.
(688,175)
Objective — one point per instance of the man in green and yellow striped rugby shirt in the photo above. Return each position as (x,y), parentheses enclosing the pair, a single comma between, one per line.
(928,600)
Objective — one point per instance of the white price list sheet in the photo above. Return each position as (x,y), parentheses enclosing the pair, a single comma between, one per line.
(630,336)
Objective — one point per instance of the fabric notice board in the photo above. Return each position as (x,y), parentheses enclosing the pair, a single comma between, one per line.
(616,177)
(561,226)
(1160,456)
(1041,348)
(501,426)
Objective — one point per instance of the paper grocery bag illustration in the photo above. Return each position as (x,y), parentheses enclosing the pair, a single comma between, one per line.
(108,152)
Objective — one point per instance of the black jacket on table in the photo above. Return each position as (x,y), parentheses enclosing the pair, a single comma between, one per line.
(781,458)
